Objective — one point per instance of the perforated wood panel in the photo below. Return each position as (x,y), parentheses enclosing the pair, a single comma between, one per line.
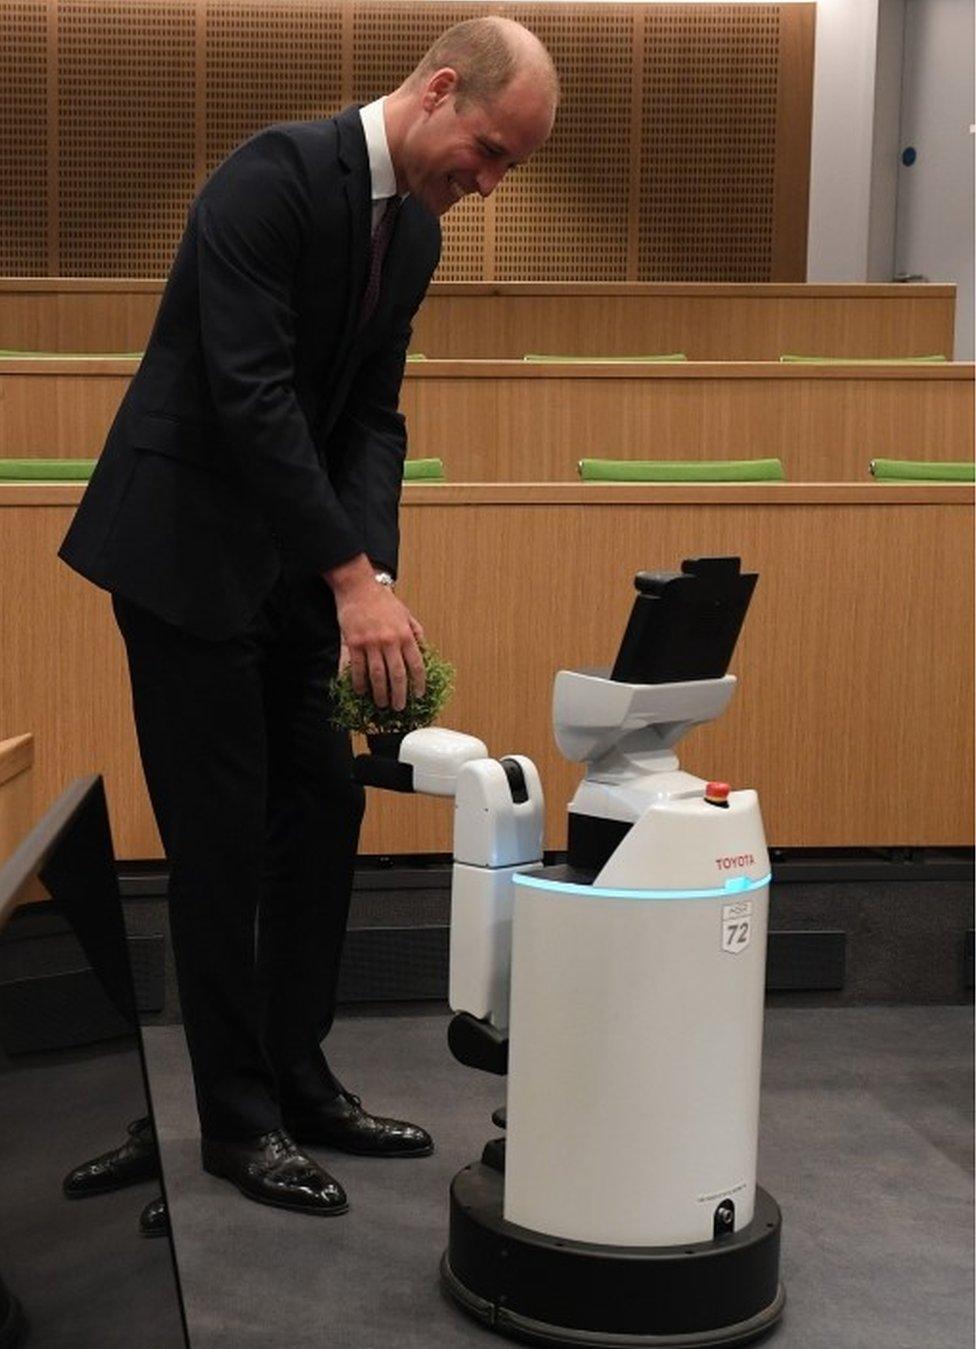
(268,63)
(708,151)
(388,41)
(23,137)
(125,111)
(681,151)
(563,216)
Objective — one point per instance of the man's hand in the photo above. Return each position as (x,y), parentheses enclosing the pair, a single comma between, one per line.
(379,635)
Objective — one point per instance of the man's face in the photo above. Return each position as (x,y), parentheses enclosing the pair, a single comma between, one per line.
(451,151)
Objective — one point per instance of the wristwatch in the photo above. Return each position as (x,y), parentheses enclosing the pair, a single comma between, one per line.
(383,578)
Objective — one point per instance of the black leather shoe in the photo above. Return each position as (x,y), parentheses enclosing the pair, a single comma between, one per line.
(136,1159)
(154,1220)
(272,1170)
(343,1123)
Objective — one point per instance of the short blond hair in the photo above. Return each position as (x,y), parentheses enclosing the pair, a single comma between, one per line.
(487,53)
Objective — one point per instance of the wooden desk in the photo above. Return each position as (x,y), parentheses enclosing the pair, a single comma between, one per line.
(853,718)
(17,815)
(497,421)
(506,421)
(16,796)
(708,322)
(490,320)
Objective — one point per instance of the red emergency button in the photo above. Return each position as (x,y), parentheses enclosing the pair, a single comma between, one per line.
(717,794)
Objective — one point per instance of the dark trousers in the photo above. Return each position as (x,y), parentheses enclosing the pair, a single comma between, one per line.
(253,794)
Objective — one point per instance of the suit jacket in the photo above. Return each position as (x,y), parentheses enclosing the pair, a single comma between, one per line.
(261,429)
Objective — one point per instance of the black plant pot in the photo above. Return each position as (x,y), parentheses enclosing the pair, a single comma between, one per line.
(386,744)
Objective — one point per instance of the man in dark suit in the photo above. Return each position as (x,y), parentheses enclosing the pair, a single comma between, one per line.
(244,516)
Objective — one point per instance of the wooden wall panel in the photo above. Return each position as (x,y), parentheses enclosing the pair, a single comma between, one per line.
(268,63)
(862,624)
(126,129)
(709,142)
(24,141)
(564,215)
(794,122)
(682,148)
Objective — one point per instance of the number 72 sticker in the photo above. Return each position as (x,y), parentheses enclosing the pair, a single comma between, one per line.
(736,926)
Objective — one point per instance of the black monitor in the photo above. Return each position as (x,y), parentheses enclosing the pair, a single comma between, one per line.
(77,1269)
(684,625)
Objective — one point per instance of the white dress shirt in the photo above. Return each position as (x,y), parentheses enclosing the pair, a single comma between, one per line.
(382,176)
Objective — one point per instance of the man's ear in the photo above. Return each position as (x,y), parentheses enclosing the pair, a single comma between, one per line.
(439,88)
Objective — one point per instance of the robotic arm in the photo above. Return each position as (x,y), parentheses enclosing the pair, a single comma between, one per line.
(498,823)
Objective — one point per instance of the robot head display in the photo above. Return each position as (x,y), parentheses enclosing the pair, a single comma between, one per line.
(622,994)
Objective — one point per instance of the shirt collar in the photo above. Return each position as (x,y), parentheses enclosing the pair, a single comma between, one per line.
(382,176)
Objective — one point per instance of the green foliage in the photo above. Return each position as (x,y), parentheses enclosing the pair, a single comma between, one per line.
(352,711)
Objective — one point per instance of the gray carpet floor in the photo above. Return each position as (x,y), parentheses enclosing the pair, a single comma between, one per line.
(866,1142)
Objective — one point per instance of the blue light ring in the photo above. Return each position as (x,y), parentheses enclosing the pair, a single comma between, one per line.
(735,886)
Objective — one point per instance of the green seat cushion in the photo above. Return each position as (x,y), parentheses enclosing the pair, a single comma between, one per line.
(45,470)
(681,470)
(72,355)
(603,360)
(863,360)
(924,470)
(423,470)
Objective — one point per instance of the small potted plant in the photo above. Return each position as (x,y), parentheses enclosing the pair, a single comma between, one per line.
(383,727)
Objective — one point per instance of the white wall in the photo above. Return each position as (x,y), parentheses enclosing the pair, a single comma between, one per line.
(934,230)
(842,140)
(887,74)
(887,140)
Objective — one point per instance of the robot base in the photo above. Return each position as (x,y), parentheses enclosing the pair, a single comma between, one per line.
(546,1291)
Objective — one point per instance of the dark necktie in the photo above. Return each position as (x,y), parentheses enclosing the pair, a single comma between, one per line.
(377,252)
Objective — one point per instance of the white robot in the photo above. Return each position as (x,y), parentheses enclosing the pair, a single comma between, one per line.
(622,993)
